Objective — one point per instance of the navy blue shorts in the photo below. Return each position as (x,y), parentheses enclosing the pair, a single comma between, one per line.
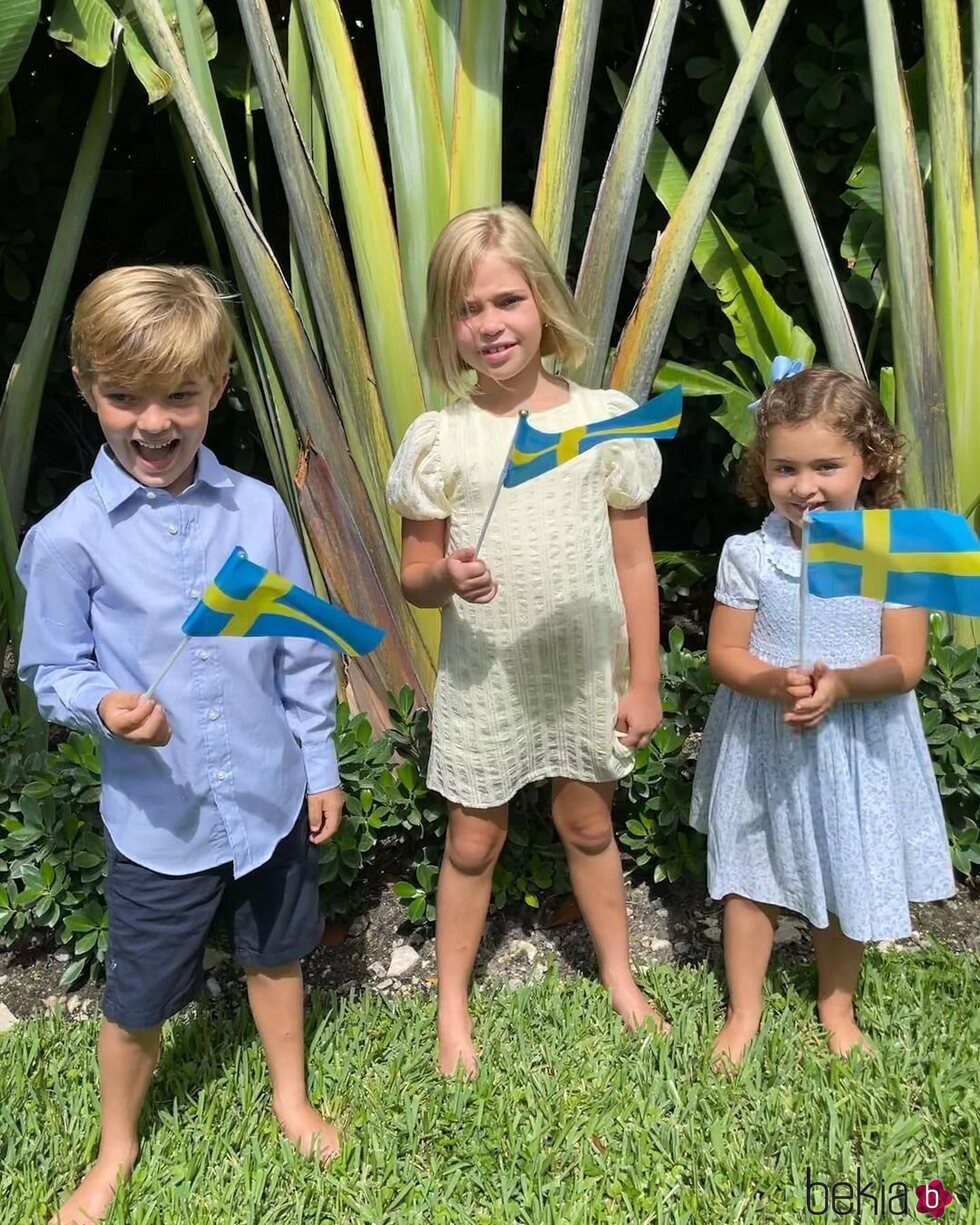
(158,924)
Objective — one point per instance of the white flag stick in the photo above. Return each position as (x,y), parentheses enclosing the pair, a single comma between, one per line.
(804,566)
(500,485)
(167,666)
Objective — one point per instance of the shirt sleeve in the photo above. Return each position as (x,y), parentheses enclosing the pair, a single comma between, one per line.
(57,648)
(738,573)
(306,673)
(416,483)
(630,466)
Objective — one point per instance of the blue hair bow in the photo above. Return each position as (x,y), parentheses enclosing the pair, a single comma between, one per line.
(782,368)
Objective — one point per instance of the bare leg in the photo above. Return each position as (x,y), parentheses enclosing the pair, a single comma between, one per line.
(275,995)
(126,1062)
(473,843)
(582,818)
(838,965)
(748,935)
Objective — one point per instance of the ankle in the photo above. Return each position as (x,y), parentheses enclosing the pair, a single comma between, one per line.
(291,1101)
(118,1154)
(836,1012)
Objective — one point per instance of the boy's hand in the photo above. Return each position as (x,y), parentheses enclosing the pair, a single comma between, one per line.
(639,715)
(828,690)
(325,810)
(469,577)
(135,717)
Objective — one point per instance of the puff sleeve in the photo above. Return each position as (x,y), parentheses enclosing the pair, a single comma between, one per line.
(739,570)
(631,466)
(416,482)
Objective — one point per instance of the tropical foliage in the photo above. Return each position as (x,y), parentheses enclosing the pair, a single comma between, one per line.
(329,325)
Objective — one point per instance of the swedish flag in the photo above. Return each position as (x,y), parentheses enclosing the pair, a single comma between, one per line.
(534,452)
(930,558)
(246,601)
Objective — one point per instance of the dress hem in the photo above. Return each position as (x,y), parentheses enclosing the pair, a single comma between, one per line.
(544,776)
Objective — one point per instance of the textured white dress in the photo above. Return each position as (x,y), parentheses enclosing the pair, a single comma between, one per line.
(844,818)
(528,685)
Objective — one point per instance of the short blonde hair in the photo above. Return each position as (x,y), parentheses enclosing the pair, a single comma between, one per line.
(151,320)
(507,232)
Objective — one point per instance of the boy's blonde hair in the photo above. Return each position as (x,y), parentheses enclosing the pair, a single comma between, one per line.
(507,232)
(148,321)
(848,407)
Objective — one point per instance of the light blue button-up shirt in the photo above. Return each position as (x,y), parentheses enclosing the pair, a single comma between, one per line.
(110,576)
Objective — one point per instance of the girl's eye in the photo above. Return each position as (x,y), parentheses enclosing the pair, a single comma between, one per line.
(512,301)
(466,310)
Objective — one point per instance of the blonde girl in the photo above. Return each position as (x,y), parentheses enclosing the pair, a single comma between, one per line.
(814,782)
(549,663)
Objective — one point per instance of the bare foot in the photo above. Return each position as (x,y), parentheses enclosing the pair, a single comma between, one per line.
(308,1131)
(94,1195)
(636,1010)
(844,1036)
(733,1039)
(456,1049)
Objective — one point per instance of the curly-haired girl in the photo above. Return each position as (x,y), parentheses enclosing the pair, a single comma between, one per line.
(814,783)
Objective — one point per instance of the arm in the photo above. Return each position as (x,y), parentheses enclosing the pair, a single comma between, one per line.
(640,710)
(733,665)
(57,657)
(904,637)
(429,578)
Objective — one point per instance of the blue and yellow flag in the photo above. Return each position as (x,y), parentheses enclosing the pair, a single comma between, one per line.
(245,601)
(930,558)
(534,452)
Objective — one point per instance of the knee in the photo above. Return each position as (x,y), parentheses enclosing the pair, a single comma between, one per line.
(474,852)
(589,835)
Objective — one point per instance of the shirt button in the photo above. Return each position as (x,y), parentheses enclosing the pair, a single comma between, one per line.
(195,592)
(203,654)
(212,715)
(173,529)
(150,494)
(221,776)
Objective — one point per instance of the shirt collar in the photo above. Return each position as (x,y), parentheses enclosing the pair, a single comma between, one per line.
(115,485)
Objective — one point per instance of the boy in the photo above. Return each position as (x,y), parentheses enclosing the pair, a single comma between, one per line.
(201,789)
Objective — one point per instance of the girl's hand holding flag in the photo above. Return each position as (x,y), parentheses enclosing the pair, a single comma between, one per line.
(469,577)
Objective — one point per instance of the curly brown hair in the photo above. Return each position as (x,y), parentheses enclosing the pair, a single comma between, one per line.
(847,406)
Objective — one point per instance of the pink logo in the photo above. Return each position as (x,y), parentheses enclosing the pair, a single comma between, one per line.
(934,1199)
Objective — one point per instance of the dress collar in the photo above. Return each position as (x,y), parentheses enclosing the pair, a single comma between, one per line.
(779,545)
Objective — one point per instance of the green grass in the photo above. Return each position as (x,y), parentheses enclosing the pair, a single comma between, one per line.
(571,1121)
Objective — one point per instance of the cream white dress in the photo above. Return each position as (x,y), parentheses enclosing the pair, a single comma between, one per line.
(528,685)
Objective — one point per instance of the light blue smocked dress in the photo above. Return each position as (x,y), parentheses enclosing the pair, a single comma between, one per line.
(844,818)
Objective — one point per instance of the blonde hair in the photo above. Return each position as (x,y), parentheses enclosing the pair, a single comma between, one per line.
(507,232)
(150,320)
(849,408)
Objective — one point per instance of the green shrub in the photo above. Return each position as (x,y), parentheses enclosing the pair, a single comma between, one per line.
(52,857)
(949,698)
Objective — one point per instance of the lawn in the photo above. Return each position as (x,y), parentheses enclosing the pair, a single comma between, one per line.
(571,1121)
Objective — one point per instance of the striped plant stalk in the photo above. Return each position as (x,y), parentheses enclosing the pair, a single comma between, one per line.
(828,300)
(349,543)
(955,250)
(919,392)
(607,244)
(475,149)
(369,222)
(419,162)
(643,337)
(564,126)
(22,397)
